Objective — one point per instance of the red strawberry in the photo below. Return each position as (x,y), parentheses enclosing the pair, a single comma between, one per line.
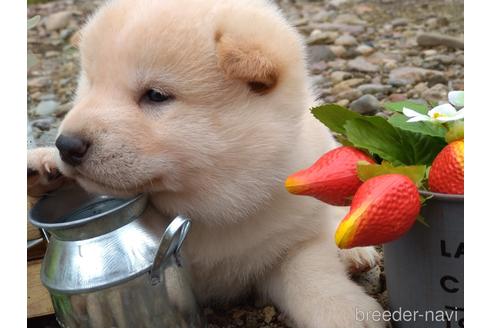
(383,209)
(447,173)
(332,179)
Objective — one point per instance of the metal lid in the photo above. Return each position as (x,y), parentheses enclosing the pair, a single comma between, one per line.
(71,213)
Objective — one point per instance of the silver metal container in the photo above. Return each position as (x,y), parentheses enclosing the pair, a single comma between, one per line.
(425,268)
(112,262)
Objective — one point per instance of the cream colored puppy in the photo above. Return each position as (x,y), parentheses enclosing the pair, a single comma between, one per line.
(204,104)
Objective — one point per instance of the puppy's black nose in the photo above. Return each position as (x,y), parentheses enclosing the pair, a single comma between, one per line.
(72,149)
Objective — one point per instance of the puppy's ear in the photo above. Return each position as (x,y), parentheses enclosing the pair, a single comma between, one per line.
(243,60)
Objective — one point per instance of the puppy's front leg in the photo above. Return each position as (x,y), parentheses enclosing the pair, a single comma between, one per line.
(312,288)
(43,174)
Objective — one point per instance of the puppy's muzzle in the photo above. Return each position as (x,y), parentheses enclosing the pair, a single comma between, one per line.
(72,149)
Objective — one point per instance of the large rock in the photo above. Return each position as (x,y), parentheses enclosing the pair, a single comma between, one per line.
(435,39)
(57,20)
(366,105)
(362,65)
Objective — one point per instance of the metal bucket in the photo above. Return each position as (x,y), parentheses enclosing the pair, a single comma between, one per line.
(112,262)
(425,268)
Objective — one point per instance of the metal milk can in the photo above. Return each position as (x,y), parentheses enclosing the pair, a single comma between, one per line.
(112,262)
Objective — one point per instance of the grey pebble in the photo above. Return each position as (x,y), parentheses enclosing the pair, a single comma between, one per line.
(319,53)
(366,105)
(46,107)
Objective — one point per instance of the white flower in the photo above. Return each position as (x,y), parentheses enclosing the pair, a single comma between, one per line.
(457,98)
(441,113)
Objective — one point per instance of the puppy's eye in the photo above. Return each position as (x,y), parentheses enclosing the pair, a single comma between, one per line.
(157,96)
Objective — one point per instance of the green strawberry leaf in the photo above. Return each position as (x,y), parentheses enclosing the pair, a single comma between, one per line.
(398,143)
(415,172)
(421,149)
(398,106)
(377,136)
(428,128)
(334,116)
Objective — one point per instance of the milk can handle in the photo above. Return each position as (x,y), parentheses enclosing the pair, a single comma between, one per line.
(170,244)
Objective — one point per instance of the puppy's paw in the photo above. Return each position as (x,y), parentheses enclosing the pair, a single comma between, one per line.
(360,259)
(43,174)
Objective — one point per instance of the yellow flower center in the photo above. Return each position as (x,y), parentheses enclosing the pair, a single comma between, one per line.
(436,115)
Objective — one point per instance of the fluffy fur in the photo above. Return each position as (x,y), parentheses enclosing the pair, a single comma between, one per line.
(218,152)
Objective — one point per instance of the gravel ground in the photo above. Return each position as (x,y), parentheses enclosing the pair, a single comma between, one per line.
(361,54)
